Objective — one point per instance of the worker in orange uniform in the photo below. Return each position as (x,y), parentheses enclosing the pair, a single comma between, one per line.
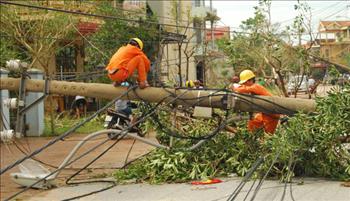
(261,120)
(124,62)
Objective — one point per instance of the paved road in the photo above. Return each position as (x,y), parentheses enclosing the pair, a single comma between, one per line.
(311,189)
(55,154)
(323,89)
(320,92)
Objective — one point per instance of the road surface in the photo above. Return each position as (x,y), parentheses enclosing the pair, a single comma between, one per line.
(309,189)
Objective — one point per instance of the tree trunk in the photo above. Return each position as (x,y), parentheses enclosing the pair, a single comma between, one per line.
(283,86)
(179,66)
(187,66)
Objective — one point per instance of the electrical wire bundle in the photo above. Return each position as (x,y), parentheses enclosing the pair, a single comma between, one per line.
(121,134)
(151,112)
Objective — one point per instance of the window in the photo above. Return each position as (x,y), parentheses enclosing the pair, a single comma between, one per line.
(135,2)
(200,71)
(197,3)
(66,58)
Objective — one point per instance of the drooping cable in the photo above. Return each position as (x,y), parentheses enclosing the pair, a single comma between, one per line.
(55,171)
(37,151)
(100,155)
(246,178)
(263,179)
(290,170)
(250,189)
(122,134)
(177,135)
(254,167)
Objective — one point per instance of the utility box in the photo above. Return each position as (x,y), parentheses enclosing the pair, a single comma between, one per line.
(34,117)
(5,113)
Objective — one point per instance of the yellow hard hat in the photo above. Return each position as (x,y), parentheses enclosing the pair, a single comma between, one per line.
(190,83)
(139,42)
(245,76)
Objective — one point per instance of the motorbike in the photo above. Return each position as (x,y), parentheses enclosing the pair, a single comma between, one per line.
(120,121)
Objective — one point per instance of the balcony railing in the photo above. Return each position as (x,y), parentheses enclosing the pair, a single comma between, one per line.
(202,12)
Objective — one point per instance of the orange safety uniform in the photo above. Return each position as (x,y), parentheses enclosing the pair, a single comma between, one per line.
(267,121)
(124,62)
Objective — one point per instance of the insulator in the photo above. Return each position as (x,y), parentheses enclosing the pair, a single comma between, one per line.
(6,135)
(11,103)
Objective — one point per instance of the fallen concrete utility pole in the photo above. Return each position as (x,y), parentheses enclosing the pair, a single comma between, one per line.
(206,98)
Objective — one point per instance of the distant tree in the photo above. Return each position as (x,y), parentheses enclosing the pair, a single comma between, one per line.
(38,32)
(264,48)
(7,50)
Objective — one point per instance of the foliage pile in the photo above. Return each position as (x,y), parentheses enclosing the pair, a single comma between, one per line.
(308,145)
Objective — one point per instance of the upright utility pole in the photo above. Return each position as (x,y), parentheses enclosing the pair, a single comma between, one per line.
(212,26)
(178,10)
(204,43)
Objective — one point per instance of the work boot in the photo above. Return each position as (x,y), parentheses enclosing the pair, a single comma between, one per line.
(143,84)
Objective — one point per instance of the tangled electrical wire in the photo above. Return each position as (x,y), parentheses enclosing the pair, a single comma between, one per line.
(67,133)
(121,134)
(257,163)
(221,123)
(149,111)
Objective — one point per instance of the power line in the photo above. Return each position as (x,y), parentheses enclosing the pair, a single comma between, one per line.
(319,11)
(336,12)
(124,19)
(106,16)
(70,131)
(132,11)
(121,133)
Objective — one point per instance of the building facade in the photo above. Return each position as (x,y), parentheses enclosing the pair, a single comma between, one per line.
(183,43)
(175,61)
(334,41)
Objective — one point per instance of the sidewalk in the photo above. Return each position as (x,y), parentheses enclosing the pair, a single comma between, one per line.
(311,189)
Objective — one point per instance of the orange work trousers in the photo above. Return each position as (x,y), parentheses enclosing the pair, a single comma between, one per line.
(260,120)
(122,74)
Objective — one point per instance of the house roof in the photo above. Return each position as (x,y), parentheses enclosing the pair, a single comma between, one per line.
(218,32)
(87,27)
(330,26)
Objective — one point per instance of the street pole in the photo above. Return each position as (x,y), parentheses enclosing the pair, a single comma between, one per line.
(212,26)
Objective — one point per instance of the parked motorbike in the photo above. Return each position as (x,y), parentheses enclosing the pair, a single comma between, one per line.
(120,121)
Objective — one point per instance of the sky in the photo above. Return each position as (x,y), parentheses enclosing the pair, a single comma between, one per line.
(232,13)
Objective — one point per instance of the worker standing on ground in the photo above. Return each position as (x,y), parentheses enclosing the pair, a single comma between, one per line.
(80,106)
(261,120)
(124,62)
